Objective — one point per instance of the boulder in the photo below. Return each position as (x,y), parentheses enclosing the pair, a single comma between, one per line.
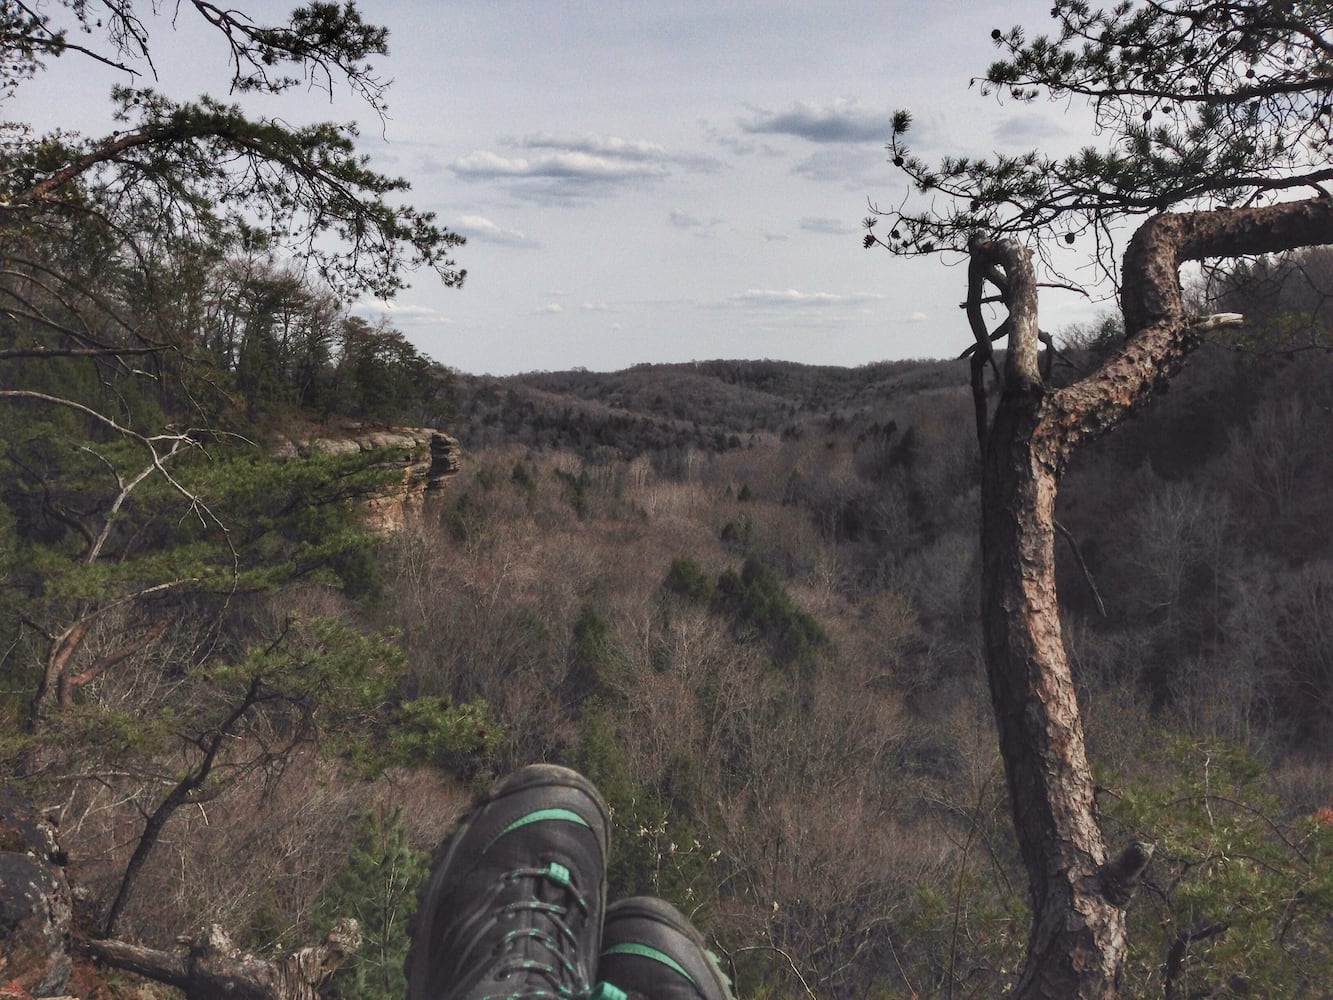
(35,906)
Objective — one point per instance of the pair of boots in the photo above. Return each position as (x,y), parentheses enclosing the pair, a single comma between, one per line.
(515,907)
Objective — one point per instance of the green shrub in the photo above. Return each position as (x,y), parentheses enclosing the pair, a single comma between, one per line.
(687,579)
(757,602)
(1239,898)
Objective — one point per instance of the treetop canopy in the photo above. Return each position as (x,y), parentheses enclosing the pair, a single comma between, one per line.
(1196,103)
(204,170)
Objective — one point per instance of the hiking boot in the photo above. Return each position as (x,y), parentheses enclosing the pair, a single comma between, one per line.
(650,950)
(514,904)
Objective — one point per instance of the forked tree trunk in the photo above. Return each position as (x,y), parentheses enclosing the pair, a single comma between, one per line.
(1077,942)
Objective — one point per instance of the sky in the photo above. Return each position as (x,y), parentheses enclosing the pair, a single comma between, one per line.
(654,181)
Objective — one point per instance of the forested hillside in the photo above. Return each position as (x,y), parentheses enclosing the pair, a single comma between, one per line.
(742,596)
(752,620)
(767,639)
(823,563)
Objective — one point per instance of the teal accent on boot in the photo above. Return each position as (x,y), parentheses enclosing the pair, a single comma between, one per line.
(644,951)
(518,917)
(650,949)
(539,816)
(605,991)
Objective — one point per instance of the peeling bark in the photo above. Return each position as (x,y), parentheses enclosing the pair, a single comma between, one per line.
(1077,942)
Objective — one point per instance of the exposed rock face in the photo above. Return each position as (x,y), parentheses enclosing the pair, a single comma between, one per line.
(445,455)
(427,457)
(35,905)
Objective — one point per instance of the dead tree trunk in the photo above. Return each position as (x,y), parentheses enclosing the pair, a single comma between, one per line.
(1077,942)
(212,968)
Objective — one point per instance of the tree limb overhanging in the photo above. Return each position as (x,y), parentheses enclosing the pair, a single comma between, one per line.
(204,166)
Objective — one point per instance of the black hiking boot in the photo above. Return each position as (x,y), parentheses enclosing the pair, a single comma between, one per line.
(514,904)
(650,950)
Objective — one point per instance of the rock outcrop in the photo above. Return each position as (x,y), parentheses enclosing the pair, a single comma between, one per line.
(36,910)
(427,458)
(36,918)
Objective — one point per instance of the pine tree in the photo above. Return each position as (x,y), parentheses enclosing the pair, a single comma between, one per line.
(378,887)
(1213,119)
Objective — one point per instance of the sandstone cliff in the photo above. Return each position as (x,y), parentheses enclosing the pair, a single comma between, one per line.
(425,456)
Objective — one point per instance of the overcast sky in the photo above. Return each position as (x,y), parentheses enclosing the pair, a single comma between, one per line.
(657,181)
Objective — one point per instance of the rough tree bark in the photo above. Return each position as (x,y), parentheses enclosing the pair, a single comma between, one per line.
(1077,942)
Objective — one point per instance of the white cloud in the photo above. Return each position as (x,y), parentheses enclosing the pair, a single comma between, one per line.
(565,167)
(793,297)
(739,145)
(917,317)
(819,224)
(398,312)
(597,145)
(856,168)
(569,166)
(483,230)
(615,148)
(550,307)
(843,121)
(684,220)
(1028,130)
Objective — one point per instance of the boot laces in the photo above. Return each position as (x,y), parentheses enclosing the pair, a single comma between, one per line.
(540,953)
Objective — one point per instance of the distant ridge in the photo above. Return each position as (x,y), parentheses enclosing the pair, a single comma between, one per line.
(711,405)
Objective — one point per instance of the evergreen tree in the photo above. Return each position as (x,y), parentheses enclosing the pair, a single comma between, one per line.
(166,290)
(1212,118)
(378,887)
